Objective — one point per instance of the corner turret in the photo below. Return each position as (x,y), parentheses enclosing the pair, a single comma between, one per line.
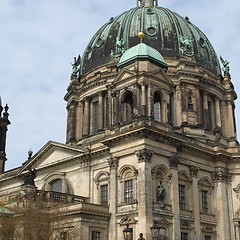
(4,122)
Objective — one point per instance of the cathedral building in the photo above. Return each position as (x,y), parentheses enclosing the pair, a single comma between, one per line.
(151,142)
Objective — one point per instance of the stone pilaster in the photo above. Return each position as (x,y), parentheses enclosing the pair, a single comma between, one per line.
(113,186)
(145,198)
(173,164)
(86,117)
(217,112)
(195,198)
(221,177)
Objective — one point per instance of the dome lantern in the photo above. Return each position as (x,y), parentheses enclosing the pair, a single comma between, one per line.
(147,3)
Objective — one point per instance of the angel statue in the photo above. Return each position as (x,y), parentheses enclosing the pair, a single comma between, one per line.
(76,65)
(226,68)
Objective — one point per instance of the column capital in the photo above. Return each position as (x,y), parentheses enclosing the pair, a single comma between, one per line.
(221,175)
(194,171)
(144,155)
(173,161)
(113,162)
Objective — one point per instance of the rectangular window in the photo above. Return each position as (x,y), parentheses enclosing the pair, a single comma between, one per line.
(95,112)
(184,236)
(128,191)
(104,194)
(208,238)
(63,236)
(96,235)
(204,201)
(181,189)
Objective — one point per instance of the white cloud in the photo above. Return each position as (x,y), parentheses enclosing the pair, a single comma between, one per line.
(40,38)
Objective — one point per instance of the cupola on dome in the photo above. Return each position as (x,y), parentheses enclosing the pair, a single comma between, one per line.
(142,51)
(170,34)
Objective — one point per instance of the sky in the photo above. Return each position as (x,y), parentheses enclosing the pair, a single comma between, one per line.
(40,38)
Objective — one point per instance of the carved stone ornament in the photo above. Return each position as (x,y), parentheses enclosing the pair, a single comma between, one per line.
(194,171)
(173,161)
(113,162)
(221,175)
(144,155)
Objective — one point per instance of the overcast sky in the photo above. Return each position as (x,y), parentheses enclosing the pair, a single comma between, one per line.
(39,38)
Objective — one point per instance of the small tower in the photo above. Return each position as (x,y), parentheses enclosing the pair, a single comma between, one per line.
(4,122)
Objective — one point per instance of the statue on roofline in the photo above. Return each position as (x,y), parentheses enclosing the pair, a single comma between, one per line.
(76,65)
(226,68)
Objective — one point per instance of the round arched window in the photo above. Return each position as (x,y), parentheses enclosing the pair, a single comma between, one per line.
(58,185)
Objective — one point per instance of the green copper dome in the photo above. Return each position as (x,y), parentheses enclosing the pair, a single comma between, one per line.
(141,51)
(170,34)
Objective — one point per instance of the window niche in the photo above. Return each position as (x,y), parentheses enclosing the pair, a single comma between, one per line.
(128,185)
(161,183)
(102,188)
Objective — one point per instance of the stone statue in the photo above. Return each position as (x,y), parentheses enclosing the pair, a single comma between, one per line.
(76,65)
(29,180)
(186,46)
(141,237)
(226,68)
(161,191)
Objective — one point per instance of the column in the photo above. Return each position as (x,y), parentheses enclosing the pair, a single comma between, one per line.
(145,198)
(224,117)
(184,107)
(217,112)
(79,121)
(164,111)
(117,107)
(100,112)
(198,108)
(113,186)
(205,110)
(72,121)
(195,198)
(109,123)
(230,120)
(221,177)
(86,117)
(173,164)
(177,106)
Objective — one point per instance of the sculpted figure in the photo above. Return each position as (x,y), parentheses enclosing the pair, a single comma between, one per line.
(161,191)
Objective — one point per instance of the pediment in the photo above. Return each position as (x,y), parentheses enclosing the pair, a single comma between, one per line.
(123,75)
(183,175)
(162,75)
(51,153)
(205,181)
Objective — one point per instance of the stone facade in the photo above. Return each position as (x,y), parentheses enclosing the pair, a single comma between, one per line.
(145,144)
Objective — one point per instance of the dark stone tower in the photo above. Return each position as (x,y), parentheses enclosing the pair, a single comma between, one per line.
(4,122)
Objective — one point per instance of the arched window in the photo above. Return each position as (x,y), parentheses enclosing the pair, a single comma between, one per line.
(56,185)
(127,177)
(59,185)
(127,105)
(157,107)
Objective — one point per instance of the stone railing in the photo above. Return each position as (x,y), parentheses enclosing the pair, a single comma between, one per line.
(60,197)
